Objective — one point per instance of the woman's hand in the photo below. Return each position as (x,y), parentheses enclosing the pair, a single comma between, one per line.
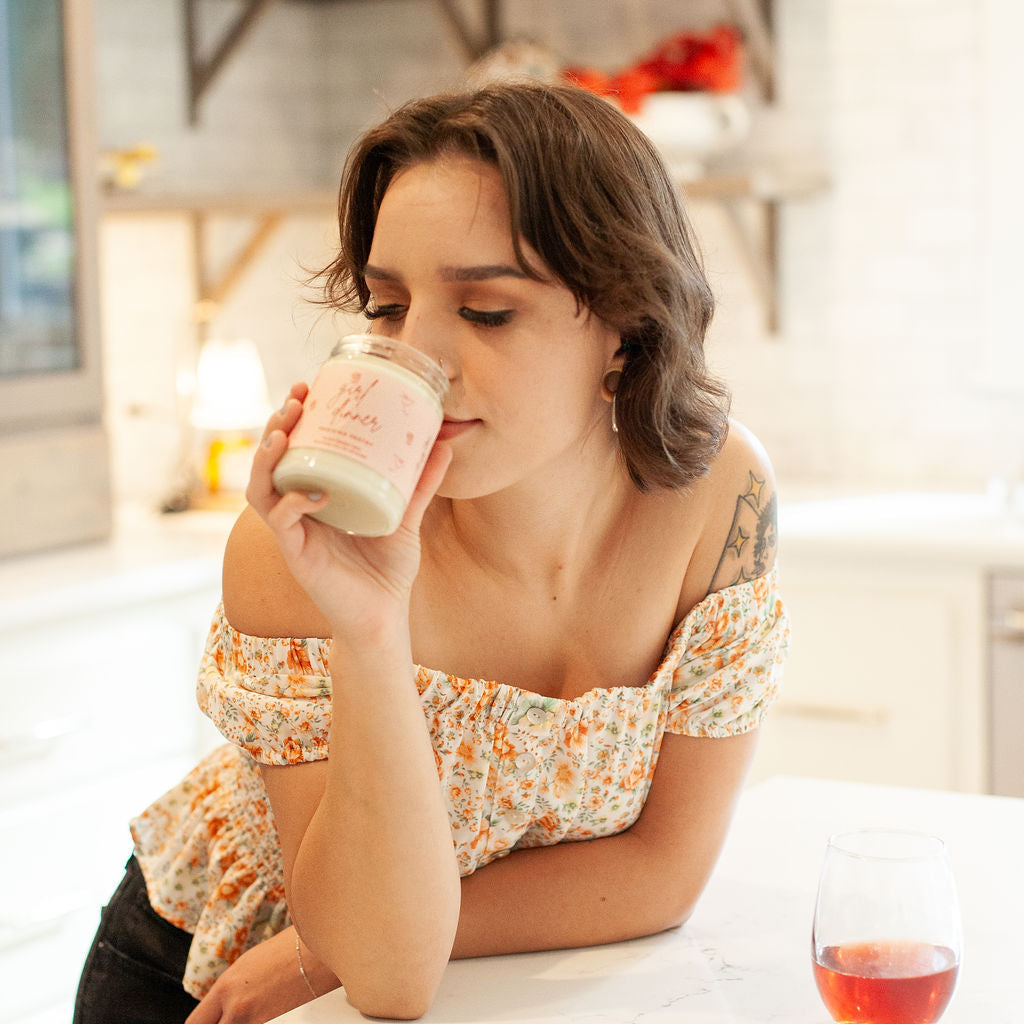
(359,583)
(262,984)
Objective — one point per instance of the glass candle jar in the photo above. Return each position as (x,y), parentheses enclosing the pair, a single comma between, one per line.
(367,426)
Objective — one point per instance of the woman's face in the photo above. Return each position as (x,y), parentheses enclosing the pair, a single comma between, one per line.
(525,366)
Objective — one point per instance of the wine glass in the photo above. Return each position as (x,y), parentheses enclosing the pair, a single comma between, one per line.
(886,938)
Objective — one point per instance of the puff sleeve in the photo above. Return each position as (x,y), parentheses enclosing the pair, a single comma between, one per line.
(726,660)
(271,696)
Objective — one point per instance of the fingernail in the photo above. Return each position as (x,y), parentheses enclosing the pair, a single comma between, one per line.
(267,441)
(314,495)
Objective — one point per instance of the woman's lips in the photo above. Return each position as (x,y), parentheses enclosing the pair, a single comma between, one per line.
(454,428)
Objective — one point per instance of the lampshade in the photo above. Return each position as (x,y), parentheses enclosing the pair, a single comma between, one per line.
(231,388)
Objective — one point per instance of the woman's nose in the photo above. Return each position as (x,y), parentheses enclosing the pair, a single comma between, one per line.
(421,332)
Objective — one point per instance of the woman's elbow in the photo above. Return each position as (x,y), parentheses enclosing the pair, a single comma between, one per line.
(673,910)
(394,998)
(679,917)
(392,978)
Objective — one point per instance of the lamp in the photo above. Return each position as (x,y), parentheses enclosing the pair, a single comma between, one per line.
(229,408)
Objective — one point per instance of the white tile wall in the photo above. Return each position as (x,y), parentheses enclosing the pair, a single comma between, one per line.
(887,370)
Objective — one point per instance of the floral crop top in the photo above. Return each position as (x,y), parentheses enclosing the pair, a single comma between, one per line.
(518,769)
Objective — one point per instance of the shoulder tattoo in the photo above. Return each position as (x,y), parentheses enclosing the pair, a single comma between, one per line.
(753,536)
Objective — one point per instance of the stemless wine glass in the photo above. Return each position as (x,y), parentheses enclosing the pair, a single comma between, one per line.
(886,938)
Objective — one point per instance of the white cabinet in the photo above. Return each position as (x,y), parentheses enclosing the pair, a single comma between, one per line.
(97,718)
(885,681)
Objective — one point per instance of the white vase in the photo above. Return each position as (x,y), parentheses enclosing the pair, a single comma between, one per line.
(690,128)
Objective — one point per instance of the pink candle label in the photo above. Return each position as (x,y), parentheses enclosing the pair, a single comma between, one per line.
(363,409)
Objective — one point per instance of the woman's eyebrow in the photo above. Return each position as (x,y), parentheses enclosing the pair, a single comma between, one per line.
(484,272)
(379,273)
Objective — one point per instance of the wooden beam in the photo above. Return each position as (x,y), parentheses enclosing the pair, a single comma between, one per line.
(474,45)
(212,293)
(202,73)
(761,254)
(493,31)
(755,18)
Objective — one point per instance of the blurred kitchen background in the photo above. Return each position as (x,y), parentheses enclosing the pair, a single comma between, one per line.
(857,197)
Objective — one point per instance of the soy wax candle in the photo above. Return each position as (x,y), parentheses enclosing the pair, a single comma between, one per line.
(367,426)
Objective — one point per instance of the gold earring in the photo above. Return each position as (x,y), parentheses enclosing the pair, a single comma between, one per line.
(610,385)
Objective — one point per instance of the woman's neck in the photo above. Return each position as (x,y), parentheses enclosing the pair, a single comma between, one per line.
(539,532)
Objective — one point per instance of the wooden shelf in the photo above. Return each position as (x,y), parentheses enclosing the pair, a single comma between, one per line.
(732,191)
(759,244)
(759,184)
(290,203)
(766,187)
(267,211)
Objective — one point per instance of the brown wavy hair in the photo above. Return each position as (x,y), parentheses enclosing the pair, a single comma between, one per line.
(590,194)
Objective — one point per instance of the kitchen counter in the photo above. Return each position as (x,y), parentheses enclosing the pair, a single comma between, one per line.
(100,647)
(149,555)
(744,957)
(154,584)
(895,600)
(982,530)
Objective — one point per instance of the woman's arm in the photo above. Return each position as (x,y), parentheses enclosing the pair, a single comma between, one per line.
(642,881)
(649,877)
(262,983)
(370,871)
(639,882)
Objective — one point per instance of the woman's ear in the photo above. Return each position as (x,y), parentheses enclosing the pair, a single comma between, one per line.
(610,381)
(613,373)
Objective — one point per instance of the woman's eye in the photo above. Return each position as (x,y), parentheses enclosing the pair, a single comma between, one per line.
(486,317)
(390,311)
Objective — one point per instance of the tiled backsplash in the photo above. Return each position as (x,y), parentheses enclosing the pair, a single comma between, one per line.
(894,365)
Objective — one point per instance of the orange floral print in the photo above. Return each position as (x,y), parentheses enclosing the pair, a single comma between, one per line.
(518,769)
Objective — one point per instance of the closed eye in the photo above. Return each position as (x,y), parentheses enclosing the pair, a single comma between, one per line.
(486,317)
(392,311)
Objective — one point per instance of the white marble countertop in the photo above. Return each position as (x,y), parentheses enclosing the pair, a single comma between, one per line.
(744,957)
(149,555)
(984,530)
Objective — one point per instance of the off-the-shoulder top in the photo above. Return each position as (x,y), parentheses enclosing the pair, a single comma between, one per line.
(518,769)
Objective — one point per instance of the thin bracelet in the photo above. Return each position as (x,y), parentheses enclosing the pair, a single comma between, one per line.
(302,970)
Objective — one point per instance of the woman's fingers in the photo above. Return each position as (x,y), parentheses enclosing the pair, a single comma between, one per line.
(287,416)
(434,469)
(287,521)
(260,492)
(207,1012)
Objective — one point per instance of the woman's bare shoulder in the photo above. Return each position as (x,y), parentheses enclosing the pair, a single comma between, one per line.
(739,538)
(261,597)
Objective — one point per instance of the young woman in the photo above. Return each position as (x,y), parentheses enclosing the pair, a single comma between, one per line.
(540,696)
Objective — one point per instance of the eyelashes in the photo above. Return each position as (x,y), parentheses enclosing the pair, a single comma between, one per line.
(486,318)
(481,317)
(389,312)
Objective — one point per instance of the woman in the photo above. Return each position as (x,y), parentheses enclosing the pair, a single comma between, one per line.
(589,532)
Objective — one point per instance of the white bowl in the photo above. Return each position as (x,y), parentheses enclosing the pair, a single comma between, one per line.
(690,128)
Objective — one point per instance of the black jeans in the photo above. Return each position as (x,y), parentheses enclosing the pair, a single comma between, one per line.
(136,964)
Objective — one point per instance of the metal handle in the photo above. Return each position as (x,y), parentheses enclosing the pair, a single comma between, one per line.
(851,716)
(1009,625)
(37,741)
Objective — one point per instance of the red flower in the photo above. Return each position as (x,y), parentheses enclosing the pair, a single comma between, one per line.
(685,62)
